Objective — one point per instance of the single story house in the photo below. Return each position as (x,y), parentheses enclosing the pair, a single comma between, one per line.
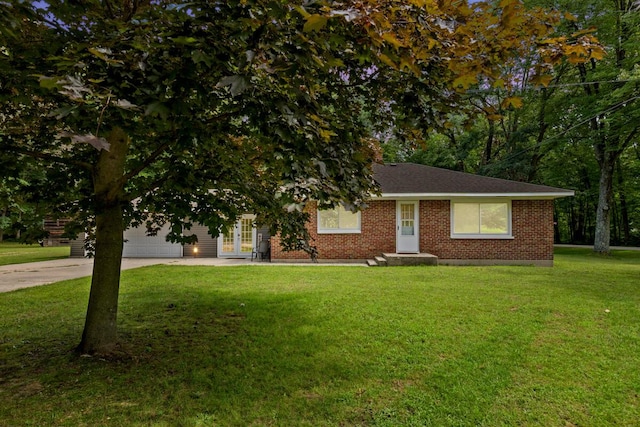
(459,218)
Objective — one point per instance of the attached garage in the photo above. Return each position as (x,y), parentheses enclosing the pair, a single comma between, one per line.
(138,245)
(238,244)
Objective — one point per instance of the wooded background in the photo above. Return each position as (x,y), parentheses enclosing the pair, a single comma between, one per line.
(580,132)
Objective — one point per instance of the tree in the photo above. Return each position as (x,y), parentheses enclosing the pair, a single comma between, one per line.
(501,126)
(598,99)
(592,103)
(177,112)
(618,124)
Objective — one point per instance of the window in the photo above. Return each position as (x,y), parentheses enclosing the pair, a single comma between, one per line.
(481,220)
(338,220)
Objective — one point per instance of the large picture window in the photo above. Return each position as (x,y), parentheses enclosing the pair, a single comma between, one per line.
(338,220)
(481,220)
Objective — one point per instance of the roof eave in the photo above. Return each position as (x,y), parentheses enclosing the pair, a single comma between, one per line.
(447,196)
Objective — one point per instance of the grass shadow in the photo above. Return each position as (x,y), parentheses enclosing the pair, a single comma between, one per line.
(329,346)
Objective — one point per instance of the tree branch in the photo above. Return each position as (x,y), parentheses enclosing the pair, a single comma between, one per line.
(155,184)
(629,138)
(360,82)
(107,3)
(163,147)
(147,162)
(52,158)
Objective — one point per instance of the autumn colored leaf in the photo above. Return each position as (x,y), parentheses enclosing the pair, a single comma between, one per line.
(542,80)
(389,37)
(327,134)
(507,3)
(465,81)
(580,33)
(384,58)
(409,64)
(512,102)
(498,84)
(597,53)
(315,23)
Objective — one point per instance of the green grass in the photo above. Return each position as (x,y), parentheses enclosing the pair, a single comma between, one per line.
(336,346)
(18,253)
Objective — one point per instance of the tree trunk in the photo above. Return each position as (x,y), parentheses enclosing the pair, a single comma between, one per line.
(488,148)
(538,152)
(100,331)
(602,238)
(608,150)
(557,238)
(4,215)
(18,229)
(624,211)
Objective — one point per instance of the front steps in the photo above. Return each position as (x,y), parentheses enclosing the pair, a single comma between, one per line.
(403,259)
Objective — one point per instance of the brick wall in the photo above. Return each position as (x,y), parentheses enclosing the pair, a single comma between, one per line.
(532,229)
(377,236)
(532,225)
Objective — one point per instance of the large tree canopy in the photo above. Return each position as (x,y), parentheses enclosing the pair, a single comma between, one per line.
(165,111)
(577,131)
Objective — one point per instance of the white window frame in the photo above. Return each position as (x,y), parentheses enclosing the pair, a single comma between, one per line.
(340,230)
(507,235)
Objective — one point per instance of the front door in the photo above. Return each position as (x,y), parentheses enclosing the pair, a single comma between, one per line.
(407,227)
(237,242)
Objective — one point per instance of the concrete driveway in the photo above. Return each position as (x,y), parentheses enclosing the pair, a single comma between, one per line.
(18,276)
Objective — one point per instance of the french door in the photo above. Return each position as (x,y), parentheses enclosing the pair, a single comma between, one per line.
(238,241)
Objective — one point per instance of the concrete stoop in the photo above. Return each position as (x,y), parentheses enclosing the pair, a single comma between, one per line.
(403,259)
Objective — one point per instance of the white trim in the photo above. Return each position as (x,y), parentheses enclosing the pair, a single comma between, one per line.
(339,231)
(506,236)
(447,196)
(357,230)
(482,236)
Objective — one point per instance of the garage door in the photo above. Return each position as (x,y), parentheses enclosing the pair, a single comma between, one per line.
(139,245)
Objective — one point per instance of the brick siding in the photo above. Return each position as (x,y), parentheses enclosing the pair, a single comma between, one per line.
(532,229)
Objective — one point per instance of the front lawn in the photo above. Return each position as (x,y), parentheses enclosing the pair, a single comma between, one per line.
(335,346)
(18,253)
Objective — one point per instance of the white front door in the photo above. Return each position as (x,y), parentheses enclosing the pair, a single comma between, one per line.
(237,242)
(407,227)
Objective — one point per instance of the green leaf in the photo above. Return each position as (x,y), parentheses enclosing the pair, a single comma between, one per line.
(157,109)
(184,40)
(62,112)
(302,12)
(315,23)
(98,53)
(238,84)
(199,56)
(48,82)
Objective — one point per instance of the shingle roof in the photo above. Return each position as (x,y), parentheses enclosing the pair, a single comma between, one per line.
(411,178)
